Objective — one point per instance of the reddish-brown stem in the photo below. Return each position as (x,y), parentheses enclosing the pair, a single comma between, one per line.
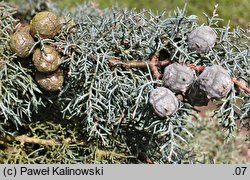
(149,161)
(240,85)
(154,68)
(154,64)
(196,67)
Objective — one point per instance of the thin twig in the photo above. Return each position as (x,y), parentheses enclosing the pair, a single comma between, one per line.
(240,85)
(26,139)
(138,64)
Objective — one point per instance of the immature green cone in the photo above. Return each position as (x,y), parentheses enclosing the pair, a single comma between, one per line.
(178,77)
(50,82)
(46,60)
(163,101)
(215,81)
(202,39)
(21,43)
(46,24)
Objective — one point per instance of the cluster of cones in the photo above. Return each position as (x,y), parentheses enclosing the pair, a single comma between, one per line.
(46,58)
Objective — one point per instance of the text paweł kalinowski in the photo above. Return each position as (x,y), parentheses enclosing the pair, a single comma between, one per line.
(61,171)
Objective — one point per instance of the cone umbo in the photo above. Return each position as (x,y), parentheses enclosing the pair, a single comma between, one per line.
(163,102)
(50,82)
(21,43)
(178,77)
(202,39)
(46,60)
(215,81)
(46,24)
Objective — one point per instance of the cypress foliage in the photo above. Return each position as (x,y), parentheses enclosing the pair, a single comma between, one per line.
(111,60)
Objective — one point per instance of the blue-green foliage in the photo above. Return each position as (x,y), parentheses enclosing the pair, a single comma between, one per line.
(109,104)
(19,93)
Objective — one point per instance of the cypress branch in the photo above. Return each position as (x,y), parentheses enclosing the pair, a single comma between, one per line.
(154,64)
